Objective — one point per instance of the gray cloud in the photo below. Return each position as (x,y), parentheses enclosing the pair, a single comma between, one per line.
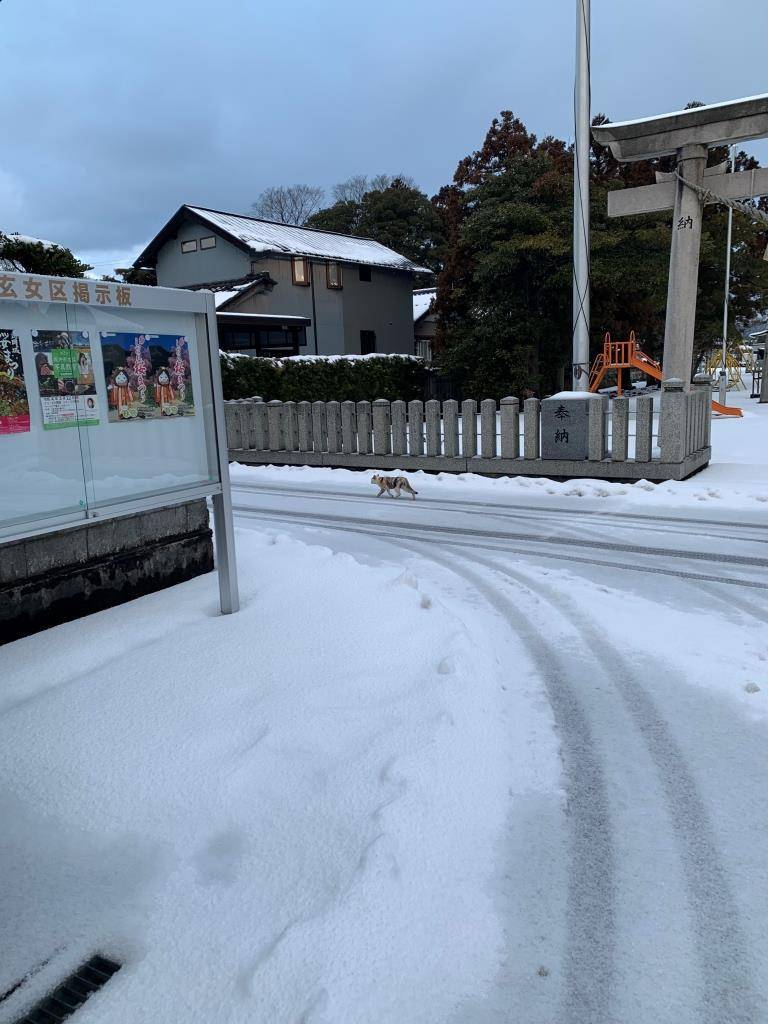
(116,114)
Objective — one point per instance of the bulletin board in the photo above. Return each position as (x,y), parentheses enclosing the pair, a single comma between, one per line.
(110,403)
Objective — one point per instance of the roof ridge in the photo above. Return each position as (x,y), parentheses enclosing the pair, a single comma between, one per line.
(283,224)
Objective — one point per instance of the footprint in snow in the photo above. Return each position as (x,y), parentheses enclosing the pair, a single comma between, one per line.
(219,859)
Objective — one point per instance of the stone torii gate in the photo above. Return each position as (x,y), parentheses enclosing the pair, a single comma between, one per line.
(688,134)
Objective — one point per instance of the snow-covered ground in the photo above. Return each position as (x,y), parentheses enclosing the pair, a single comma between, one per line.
(270,816)
(494,754)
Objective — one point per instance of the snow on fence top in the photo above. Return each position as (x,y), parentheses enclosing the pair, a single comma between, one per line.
(267,236)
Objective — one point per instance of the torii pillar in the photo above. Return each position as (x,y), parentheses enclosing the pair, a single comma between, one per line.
(688,135)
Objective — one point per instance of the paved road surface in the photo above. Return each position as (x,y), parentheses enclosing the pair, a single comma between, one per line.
(648,884)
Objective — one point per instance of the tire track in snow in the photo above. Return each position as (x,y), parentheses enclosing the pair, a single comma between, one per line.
(622,519)
(721,946)
(348,524)
(590,916)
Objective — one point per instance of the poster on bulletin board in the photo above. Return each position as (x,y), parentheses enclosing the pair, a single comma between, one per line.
(148,376)
(14,404)
(65,379)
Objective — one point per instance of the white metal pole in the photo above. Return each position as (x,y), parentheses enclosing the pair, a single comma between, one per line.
(581,105)
(726,298)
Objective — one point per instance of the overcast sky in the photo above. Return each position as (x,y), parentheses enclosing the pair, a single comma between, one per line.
(115,113)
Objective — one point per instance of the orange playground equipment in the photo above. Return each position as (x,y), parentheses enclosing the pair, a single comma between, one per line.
(623,355)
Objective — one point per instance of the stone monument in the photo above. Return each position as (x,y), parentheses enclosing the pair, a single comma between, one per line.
(565,424)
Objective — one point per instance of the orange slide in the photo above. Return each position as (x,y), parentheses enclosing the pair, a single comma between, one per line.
(621,355)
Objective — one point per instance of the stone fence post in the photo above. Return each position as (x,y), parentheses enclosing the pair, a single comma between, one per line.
(305,426)
(488,448)
(290,426)
(257,432)
(233,426)
(596,440)
(348,428)
(451,428)
(382,443)
(673,420)
(644,428)
(432,413)
(274,426)
(319,432)
(531,427)
(469,428)
(399,428)
(702,383)
(510,428)
(416,427)
(364,428)
(619,429)
(333,426)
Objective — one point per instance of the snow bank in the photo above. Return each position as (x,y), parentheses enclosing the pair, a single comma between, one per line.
(289,814)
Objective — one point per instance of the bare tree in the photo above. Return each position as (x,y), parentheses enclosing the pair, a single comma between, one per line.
(355,188)
(289,204)
(352,190)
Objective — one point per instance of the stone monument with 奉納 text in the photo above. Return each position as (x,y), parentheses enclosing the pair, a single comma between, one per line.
(565,424)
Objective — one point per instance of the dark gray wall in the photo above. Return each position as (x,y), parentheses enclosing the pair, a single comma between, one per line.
(177,269)
(384,305)
(61,576)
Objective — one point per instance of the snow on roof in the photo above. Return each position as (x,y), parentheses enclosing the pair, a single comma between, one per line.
(422,300)
(267,236)
(222,298)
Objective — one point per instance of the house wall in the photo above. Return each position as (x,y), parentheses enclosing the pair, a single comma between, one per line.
(177,269)
(383,305)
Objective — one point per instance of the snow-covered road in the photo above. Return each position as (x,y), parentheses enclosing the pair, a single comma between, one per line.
(640,893)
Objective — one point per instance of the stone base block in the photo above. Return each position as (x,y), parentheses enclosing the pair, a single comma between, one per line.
(61,576)
(564,469)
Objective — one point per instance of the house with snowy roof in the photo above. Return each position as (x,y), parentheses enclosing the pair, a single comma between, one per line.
(285,290)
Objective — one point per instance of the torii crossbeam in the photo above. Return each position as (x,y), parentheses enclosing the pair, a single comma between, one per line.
(688,134)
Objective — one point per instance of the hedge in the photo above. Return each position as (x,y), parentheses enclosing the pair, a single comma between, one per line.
(323,380)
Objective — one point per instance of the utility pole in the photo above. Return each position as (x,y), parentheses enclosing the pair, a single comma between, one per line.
(582,118)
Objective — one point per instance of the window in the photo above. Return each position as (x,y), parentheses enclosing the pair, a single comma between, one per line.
(266,341)
(333,275)
(365,273)
(300,270)
(209,242)
(189,246)
(367,342)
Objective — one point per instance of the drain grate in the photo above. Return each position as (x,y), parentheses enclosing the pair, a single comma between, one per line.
(73,992)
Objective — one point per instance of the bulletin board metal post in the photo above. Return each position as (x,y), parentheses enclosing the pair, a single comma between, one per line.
(121,457)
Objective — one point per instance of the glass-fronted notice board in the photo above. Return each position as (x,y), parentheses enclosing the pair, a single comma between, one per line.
(110,400)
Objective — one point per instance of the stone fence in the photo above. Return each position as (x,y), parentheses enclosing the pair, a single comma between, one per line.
(445,437)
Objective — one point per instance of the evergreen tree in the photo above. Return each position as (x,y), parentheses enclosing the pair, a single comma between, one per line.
(38,257)
(504,294)
(399,216)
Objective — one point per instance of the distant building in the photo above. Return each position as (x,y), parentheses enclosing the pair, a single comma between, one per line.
(284,290)
(424,321)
